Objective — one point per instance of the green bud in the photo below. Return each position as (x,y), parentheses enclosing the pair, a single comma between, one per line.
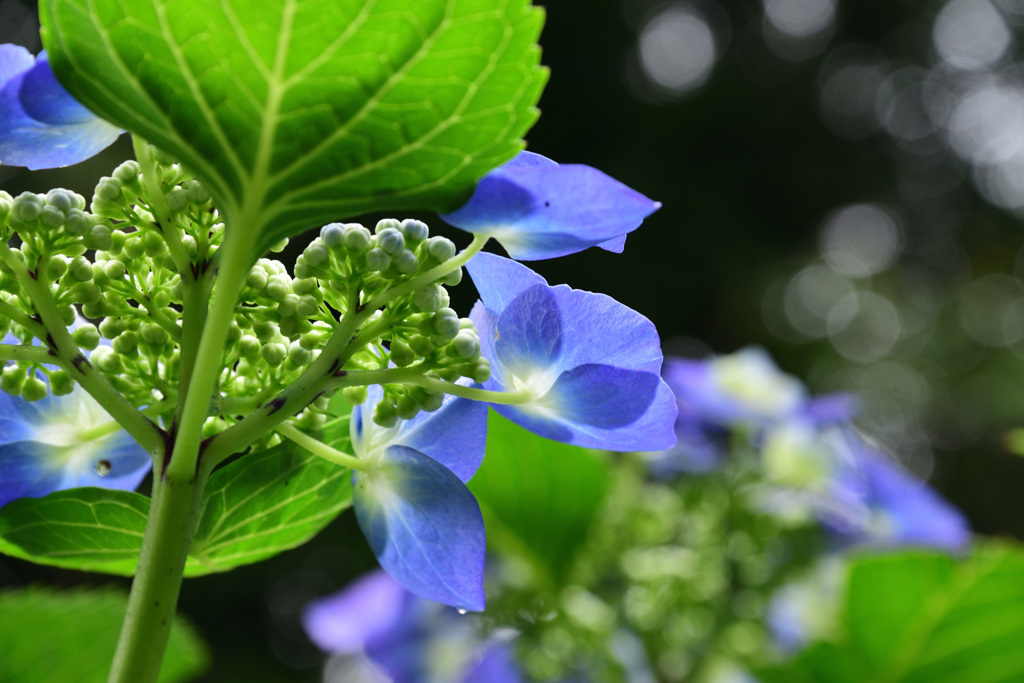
(85,293)
(86,336)
(249,346)
(51,217)
(278,247)
(127,172)
(355,395)
(466,344)
(481,370)
(406,262)
(384,414)
(80,269)
(332,235)
(274,353)
(67,314)
(106,360)
(292,327)
(191,248)
(98,237)
(126,344)
(421,346)
(415,231)
(64,200)
(357,238)
(387,223)
(307,306)
(12,379)
(390,240)
(428,401)
(453,278)
(108,189)
(6,203)
(446,323)
(33,389)
(400,353)
(27,207)
(61,383)
(197,194)
(77,223)
(298,355)
(440,248)
(177,200)
(406,407)
(286,309)
(154,243)
(114,270)
(427,299)
(279,287)
(377,260)
(234,333)
(265,331)
(161,298)
(57,266)
(133,247)
(152,334)
(257,278)
(316,253)
(110,327)
(117,240)
(213,426)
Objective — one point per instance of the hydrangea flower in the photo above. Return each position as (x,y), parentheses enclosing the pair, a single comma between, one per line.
(41,125)
(410,639)
(588,366)
(537,209)
(63,442)
(412,503)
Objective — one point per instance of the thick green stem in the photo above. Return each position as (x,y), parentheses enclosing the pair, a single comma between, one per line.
(172,519)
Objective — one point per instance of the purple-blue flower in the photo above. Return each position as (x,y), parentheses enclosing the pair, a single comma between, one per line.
(585,367)
(412,503)
(538,209)
(64,442)
(41,125)
(410,639)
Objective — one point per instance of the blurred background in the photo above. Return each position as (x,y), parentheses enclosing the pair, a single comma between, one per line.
(842,183)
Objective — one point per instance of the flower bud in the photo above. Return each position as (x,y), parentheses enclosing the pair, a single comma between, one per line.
(108,189)
(332,234)
(86,336)
(33,389)
(406,262)
(357,238)
(466,344)
(427,299)
(415,231)
(390,240)
(27,207)
(406,407)
(384,414)
(154,335)
(440,248)
(51,217)
(355,395)
(77,223)
(377,260)
(61,383)
(249,346)
(127,172)
(446,323)
(400,353)
(126,344)
(274,353)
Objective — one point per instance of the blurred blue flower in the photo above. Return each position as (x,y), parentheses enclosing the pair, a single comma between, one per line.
(412,503)
(410,639)
(63,442)
(807,608)
(743,391)
(41,125)
(537,209)
(588,365)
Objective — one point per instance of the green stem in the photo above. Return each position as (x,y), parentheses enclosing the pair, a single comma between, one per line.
(173,515)
(32,354)
(70,357)
(208,365)
(319,448)
(11,313)
(195,297)
(412,375)
(158,202)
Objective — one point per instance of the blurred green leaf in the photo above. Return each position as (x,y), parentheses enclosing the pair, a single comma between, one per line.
(69,637)
(538,496)
(918,617)
(294,114)
(255,507)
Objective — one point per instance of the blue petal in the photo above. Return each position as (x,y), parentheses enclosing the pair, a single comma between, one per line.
(454,435)
(45,100)
(26,472)
(14,59)
(18,418)
(499,280)
(128,465)
(540,210)
(365,610)
(26,141)
(424,526)
(529,332)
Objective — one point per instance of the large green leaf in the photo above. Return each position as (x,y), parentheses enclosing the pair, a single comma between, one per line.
(296,113)
(70,636)
(924,618)
(538,496)
(255,508)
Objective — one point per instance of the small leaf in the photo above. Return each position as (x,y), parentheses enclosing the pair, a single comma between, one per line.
(538,497)
(91,529)
(256,507)
(264,504)
(294,114)
(919,617)
(70,637)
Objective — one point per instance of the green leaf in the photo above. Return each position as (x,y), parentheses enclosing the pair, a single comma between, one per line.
(294,114)
(263,504)
(254,508)
(69,637)
(91,529)
(917,617)
(538,496)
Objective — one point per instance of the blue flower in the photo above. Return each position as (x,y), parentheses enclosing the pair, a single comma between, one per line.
(41,125)
(587,366)
(537,209)
(412,640)
(63,442)
(412,503)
